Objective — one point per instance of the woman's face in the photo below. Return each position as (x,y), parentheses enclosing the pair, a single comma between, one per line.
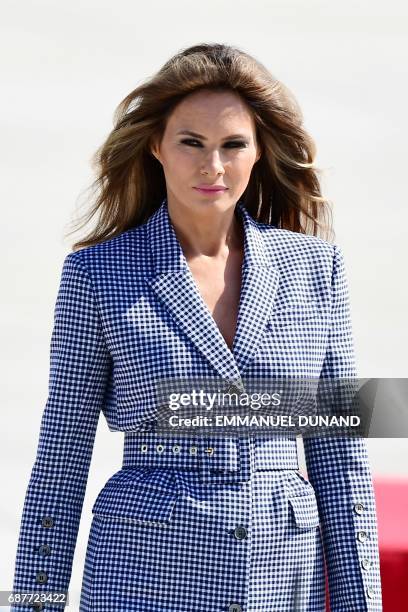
(222,150)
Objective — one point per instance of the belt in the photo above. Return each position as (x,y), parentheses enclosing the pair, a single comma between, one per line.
(214,458)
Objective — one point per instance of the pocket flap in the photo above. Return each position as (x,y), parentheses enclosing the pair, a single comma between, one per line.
(294,312)
(144,501)
(305,511)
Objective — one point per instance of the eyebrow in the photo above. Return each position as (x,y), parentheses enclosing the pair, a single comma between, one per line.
(190,133)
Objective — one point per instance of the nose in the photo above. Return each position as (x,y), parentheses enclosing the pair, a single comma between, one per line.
(212,164)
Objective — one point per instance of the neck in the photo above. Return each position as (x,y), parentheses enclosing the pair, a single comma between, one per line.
(208,233)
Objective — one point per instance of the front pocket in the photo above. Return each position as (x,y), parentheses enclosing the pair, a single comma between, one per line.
(296,484)
(146,502)
(305,511)
(294,313)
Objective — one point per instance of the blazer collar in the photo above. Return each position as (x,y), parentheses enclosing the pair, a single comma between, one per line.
(175,286)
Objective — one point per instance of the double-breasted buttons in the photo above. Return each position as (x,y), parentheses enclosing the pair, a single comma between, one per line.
(193,450)
(41,577)
(176,449)
(358,508)
(47,521)
(160,448)
(362,536)
(144,448)
(240,533)
(44,549)
(366,564)
(370,592)
(234,607)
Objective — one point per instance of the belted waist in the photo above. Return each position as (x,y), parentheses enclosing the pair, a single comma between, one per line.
(214,457)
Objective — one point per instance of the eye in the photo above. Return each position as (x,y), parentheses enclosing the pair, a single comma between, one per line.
(234,143)
(189,141)
(237,143)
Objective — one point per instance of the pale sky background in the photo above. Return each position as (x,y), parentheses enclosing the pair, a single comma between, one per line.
(64,70)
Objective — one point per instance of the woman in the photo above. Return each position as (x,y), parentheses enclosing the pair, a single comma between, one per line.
(205,263)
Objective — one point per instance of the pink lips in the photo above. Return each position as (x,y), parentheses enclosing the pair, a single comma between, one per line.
(208,189)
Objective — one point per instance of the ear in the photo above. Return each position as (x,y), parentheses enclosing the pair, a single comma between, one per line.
(259,152)
(154,150)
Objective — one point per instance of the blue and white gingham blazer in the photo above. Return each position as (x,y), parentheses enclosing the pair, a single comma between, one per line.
(170,532)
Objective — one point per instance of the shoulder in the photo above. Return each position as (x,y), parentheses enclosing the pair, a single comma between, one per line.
(287,248)
(127,249)
(287,239)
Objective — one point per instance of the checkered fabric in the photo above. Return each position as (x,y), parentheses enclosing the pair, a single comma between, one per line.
(198,523)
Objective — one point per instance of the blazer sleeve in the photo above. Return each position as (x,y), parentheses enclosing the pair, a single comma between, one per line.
(339,471)
(79,370)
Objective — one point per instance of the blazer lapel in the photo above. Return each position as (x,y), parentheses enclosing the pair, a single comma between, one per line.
(175,286)
(259,284)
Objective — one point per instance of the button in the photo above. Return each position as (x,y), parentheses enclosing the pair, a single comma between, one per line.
(47,521)
(38,605)
(362,536)
(160,448)
(209,451)
(44,549)
(176,449)
(149,426)
(143,448)
(193,450)
(234,607)
(235,388)
(358,508)
(370,592)
(366,564)
(41,577)
(240,532)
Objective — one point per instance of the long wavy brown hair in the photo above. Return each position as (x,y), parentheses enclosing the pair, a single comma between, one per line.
(283,190)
